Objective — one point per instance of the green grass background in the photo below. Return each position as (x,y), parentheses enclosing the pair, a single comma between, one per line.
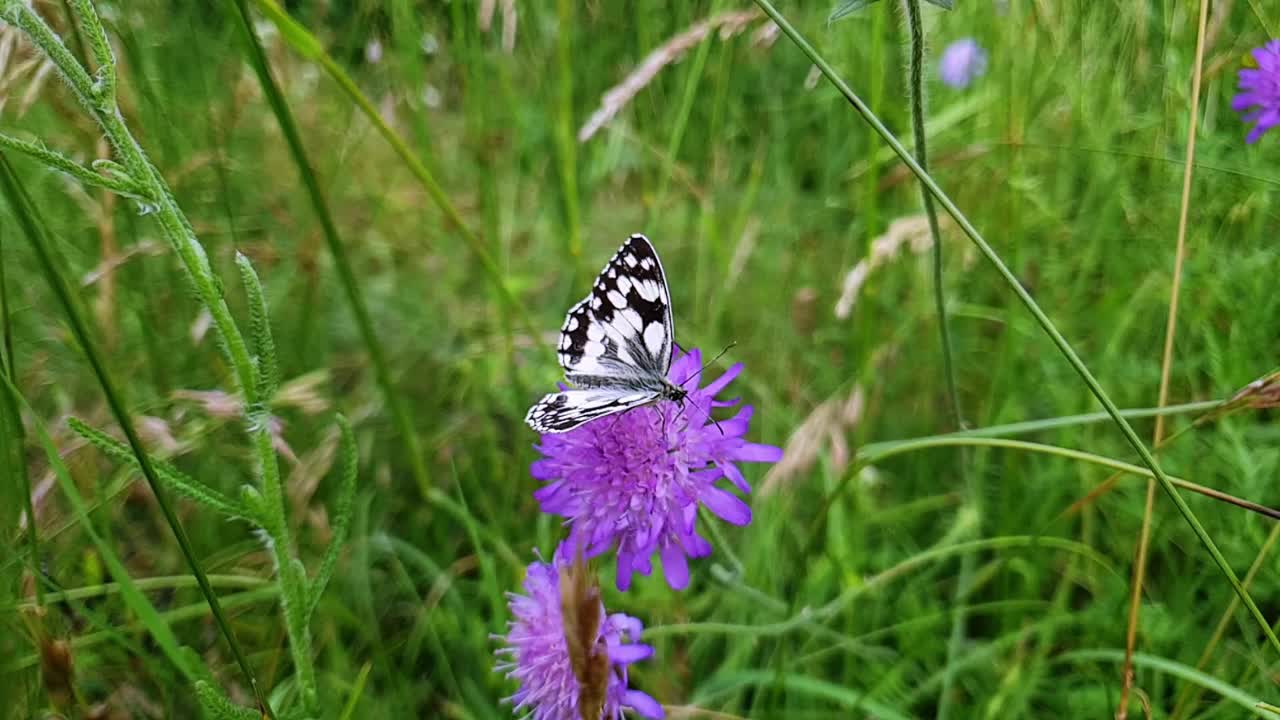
(1067,154)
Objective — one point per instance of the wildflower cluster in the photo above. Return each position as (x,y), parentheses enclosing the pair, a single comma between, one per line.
(630,483)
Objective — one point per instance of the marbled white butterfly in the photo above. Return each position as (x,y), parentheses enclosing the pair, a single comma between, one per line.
(615,345)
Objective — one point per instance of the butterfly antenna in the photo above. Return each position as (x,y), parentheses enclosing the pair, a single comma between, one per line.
(710,362)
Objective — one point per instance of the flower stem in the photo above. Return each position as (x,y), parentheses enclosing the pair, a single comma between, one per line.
(1034,308)
(915,89)
(915,86)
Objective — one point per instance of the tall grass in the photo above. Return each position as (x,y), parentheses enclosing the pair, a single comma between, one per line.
(464,213)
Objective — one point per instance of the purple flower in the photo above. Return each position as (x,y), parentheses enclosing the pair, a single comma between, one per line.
(634,481)
(961,62)
(1260,91)
(536,653)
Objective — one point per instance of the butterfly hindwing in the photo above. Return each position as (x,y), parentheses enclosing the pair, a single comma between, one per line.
(567,409)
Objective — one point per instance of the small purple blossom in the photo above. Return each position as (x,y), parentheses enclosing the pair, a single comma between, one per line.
(962,62)
(536,654)
(634,481)
(1260,91)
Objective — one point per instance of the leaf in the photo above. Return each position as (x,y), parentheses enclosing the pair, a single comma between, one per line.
(944,4)
(219,707)
(849,7)
(260,330)
(172,477)
(342,510)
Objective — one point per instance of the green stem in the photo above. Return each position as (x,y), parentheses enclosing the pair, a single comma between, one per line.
(15,439)
(395,400)
(166,582)
(1033,426)
(1041,318)
(915,88)
(958,441)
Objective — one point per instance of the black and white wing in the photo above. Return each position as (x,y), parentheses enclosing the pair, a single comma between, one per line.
(620,335)
(567,409)
(615,345)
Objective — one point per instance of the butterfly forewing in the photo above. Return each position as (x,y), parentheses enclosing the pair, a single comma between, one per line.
(567,409)
(623,327)
(615,344)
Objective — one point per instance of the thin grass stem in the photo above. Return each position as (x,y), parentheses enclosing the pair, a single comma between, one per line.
(1166,364)
(15,435)
(1092,458)
(916,92)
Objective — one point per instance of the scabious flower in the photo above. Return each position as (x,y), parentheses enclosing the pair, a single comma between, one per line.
(962,62)
(634,481)
(536,653)
(1260,91)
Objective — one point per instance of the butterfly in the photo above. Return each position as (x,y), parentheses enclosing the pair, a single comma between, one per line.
(615,345)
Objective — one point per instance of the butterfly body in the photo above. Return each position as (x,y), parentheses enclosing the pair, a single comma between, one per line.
(615,345)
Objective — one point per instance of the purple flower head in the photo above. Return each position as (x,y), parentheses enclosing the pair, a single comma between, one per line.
(634,480)
(536,654)
(962,62)
(1260,91)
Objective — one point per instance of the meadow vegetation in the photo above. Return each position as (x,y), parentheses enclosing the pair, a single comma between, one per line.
(324,287)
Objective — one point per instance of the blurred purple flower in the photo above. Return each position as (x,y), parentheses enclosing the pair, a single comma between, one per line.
(536,654)
(634,480)
(1260,91)
(962,62)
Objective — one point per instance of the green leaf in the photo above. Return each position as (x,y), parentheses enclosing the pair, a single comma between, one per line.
(342,511)
(264,343)
(172,477)
(849,7)
(219,707)
(944,4)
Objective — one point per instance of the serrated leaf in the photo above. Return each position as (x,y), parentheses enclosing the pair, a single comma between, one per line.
(849,7)
(219,707)
(172,477)
(343,509)
(260,330)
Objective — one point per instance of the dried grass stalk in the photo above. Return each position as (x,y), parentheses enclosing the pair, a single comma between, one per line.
(617,98)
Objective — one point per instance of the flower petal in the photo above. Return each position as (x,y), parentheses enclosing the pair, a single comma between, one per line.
(715,386)
(644,705)
(623,580)
(627,654)
(726,506)
(545,469)
(675,566)
(755,452)
(732,472)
